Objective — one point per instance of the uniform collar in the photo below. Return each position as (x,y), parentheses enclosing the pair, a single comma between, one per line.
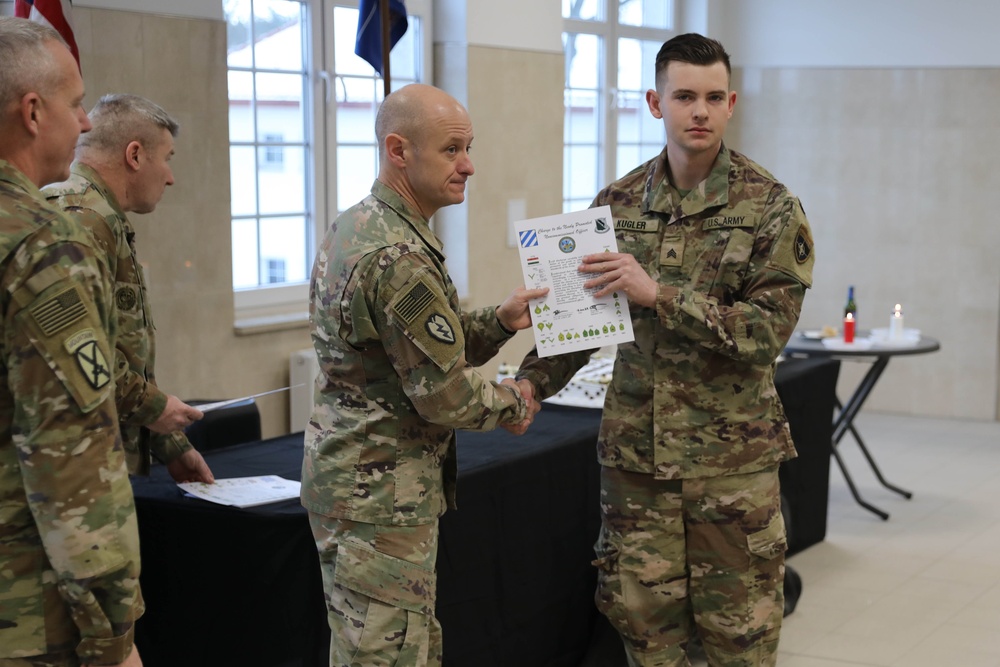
(14,176)
(408,214)
(90,175)
(663,197)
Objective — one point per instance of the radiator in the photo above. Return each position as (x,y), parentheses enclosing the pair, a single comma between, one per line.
(303,367)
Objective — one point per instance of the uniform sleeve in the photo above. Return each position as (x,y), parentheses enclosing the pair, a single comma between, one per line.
(65,430)
(483,335)
(425,339)
(757,325)
(139,401)
(550,374)
(169,446)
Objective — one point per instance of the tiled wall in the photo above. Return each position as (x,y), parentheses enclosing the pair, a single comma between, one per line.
(185,244)
(896,170)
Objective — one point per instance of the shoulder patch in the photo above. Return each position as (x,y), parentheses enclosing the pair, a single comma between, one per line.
(93,364)
(414,301)
(440,329)
(793,252)
(59,311)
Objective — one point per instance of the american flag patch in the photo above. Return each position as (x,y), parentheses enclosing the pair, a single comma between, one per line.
(418,298)
(59,312)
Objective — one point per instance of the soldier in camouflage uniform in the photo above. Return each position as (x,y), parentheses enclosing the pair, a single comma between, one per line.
(69,546)
(122,165)
(396,354)
(715,257)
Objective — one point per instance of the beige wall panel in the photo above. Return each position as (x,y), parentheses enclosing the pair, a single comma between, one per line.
(895,169)
(515,100)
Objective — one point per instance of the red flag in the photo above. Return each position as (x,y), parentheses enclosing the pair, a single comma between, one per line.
(53,13)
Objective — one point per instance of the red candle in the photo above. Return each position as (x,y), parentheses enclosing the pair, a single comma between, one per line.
(849,328)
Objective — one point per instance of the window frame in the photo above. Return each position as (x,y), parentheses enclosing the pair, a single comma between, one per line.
(610,31)
(267,307)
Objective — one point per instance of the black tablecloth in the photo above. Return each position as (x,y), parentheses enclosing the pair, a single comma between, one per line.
(226,586)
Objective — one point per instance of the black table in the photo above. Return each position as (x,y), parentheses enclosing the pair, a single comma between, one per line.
(226,586)
(801,347)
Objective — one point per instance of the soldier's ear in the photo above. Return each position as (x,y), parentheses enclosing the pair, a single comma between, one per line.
(133,155)
(30,110)
(395,149)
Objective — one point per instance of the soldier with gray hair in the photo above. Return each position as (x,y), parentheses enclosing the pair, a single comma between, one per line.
(69,545)
(123,165)
(715,256)
(397,356)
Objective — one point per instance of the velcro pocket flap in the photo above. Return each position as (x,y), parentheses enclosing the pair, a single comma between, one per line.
(387,579)
(769,541)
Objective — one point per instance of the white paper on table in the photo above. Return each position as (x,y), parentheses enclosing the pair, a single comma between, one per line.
(244,491)
(570,317)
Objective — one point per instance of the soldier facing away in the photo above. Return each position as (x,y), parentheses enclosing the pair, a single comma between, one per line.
(715,257)
(396,357)
(69,545)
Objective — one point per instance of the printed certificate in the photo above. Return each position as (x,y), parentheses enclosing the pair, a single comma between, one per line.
(569,317)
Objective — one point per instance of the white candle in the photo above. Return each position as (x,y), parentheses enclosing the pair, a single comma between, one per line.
(896,324)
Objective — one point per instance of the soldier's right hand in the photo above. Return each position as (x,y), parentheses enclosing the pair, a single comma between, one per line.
(177,416)
(528,393)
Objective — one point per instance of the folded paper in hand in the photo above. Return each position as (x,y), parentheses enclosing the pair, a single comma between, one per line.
(244,491)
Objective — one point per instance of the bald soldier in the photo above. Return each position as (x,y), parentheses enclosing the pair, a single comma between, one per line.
(715,257)
(122,166)
(69,546)
(396,354)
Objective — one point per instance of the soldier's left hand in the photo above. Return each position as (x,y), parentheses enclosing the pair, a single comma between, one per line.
(513,313)
(190,467)
(620,271)
(528,393)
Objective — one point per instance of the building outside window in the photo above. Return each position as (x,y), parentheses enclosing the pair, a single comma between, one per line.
(302,111)
(610,48)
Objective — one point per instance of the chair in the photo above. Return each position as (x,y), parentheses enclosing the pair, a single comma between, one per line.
(230,425)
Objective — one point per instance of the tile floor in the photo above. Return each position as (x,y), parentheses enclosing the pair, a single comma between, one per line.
(919,590)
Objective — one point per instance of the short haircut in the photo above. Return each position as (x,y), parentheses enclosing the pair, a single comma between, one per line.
(397,115)
(121,119)
(27,66)
(691,48)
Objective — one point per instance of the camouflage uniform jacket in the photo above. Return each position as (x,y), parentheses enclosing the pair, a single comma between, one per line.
(396,377)
(69,545)
(88,200)
(693,395)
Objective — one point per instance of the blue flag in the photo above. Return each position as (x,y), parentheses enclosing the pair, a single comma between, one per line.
(369,44)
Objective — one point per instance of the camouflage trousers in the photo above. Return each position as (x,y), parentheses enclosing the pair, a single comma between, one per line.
(695,557)
(380,589)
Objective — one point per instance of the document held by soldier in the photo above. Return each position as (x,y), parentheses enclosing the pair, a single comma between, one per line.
(570,317)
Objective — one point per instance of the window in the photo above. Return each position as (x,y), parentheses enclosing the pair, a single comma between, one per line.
(301,132)
(610,48)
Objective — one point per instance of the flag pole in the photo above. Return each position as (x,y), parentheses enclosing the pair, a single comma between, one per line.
(383,10)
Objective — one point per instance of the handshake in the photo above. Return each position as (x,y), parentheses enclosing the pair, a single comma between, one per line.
(528,393)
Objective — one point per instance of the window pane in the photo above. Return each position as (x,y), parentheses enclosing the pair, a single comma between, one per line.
(587,10)
(356,170)
(238,37)
(404,59)
(628,159)
(240,106)
(571,205)
(245,263)
(636,75)
(243,180)
(581,171)
(283,249)
(631,109)
(583,62)
(648,13)
(356,108)
(278,31)
(279,105)
(282,185)
(636,64)
(345,33)
(582,123)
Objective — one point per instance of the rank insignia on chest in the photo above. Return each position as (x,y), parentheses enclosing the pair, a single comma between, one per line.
(672,251)
(439,329)
(125,298)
